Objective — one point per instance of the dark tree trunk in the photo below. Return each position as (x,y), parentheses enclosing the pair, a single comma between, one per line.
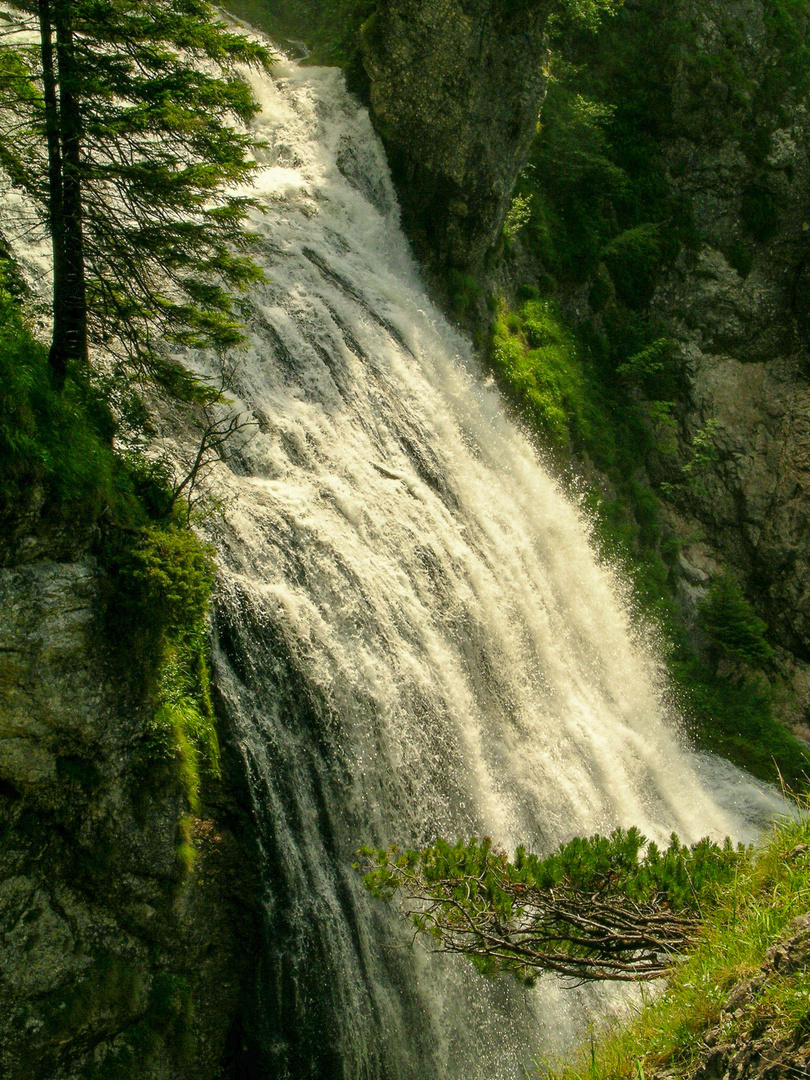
(71,346)
(56,214)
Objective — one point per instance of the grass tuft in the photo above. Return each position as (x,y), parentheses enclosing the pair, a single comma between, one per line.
(753,912)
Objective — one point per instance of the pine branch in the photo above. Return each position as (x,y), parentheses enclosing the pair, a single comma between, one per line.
(598,909)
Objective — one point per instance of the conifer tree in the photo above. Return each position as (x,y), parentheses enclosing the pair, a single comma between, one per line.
(732,627)
(599,908)
(124,120)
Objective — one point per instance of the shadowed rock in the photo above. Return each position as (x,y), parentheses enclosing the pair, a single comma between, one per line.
(456,90)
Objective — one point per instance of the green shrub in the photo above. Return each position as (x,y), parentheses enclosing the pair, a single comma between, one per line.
(655,369)
(753,912)
(518,216)
(731,625)
(463,291)
(169,574)
(635,258)
(535,356)
(736,719)
(61,443)
(572,183)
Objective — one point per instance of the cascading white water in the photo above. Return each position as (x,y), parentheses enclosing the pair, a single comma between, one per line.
(414,636)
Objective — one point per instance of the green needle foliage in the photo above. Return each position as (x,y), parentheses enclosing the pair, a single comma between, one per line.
(139,178)
(731,625)
(126,124)
(602,908)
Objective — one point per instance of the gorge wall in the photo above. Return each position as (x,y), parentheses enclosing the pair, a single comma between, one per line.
(116,959)
(455,90)
(738,305)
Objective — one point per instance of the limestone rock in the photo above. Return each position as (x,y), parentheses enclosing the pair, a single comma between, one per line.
(113,962)
(740,307)
(456,88)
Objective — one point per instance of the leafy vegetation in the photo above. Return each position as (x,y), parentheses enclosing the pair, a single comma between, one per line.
(602,908)
(59,466)
(534,914)
(534,354)
(735,718)
(328,28)
(731,625)
(163,583)
(122,125)
(752,911)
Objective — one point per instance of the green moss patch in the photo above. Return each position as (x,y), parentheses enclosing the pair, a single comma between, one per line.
(163,580)
(535,356)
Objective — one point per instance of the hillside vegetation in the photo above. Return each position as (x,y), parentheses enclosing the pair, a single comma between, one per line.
(740,1004)
(63,478)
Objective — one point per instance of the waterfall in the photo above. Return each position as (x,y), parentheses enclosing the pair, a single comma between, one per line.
(413,637)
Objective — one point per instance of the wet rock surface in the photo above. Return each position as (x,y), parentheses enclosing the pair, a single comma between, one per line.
(114,961)
(456,88)
(738,306)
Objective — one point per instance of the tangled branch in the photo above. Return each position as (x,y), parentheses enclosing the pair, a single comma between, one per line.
(598,909)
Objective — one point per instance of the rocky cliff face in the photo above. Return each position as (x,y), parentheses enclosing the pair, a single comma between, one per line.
(456,88)
(739,305)
(116,959)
